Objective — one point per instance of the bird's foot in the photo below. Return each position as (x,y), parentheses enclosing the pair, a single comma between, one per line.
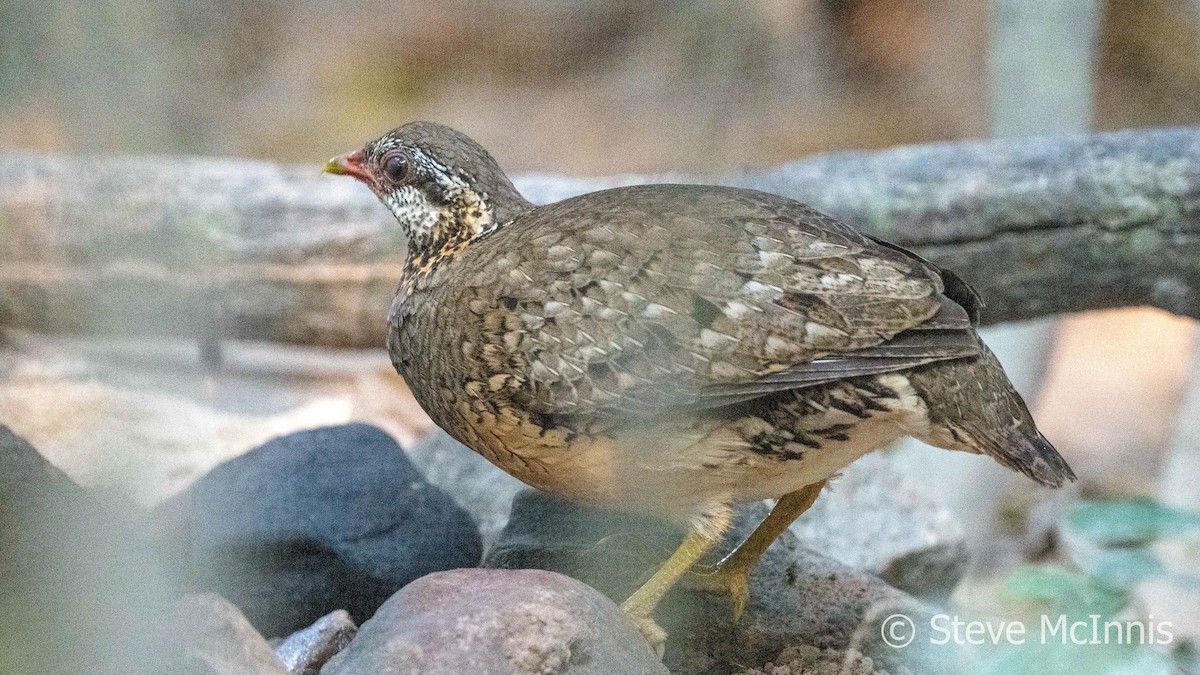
(730,580)
(654,634)
(640,606)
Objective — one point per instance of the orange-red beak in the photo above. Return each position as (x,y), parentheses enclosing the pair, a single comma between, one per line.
(349,164)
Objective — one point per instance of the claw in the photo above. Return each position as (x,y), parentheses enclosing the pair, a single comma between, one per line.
(654,634)
(732,582)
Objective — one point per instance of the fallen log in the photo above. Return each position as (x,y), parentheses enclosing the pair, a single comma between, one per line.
(218,248)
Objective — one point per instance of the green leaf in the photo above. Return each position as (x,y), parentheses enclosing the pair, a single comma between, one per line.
(1129,522)
(1064,591)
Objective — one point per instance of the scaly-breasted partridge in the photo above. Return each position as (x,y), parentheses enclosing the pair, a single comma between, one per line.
(676,349)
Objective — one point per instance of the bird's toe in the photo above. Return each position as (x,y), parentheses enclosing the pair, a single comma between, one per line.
(654,634)
(732,582)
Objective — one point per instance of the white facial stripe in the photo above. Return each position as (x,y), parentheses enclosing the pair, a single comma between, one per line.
(428,221)
(441,174)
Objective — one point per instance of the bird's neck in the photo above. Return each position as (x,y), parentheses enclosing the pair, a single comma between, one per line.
(464,218)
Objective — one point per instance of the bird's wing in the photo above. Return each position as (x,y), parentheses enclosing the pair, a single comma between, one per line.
(637,300)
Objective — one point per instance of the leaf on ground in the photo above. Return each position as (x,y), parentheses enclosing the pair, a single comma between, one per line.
(1063,591)
(1129,522)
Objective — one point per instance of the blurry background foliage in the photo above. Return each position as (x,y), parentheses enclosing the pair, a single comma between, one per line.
(1113,547)
(577,86)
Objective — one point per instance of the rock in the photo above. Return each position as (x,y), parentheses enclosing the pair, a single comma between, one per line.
(610,550)
(797,597)
(214,638)
(480,487)
(807,660)
(305,651)
(873,519)
(313,522)
(501,622)
(79,590)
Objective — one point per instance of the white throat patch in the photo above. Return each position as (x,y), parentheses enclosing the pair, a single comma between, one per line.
(414,210)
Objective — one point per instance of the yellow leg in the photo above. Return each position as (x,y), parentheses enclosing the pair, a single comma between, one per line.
(731,576)
(641,605)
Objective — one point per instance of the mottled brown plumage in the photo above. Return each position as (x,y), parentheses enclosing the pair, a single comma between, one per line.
(675,349)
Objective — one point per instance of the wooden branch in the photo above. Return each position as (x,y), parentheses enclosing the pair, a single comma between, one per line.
(237,249)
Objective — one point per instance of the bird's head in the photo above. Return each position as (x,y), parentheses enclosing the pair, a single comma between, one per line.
(442,187)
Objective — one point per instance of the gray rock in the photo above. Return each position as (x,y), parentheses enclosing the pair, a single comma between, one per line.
(315,521)
(215,638)
(497,622)
(612,551)
(797,597)
(479,487)
(80,591)
(305,651)
(873,519)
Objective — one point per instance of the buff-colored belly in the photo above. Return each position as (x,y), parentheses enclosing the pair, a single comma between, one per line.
(676,467)
(662,478)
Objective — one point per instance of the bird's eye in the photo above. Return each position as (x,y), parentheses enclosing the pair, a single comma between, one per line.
(397,168)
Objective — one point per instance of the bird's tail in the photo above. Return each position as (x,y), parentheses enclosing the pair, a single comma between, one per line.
(973,407)
(1022,449)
